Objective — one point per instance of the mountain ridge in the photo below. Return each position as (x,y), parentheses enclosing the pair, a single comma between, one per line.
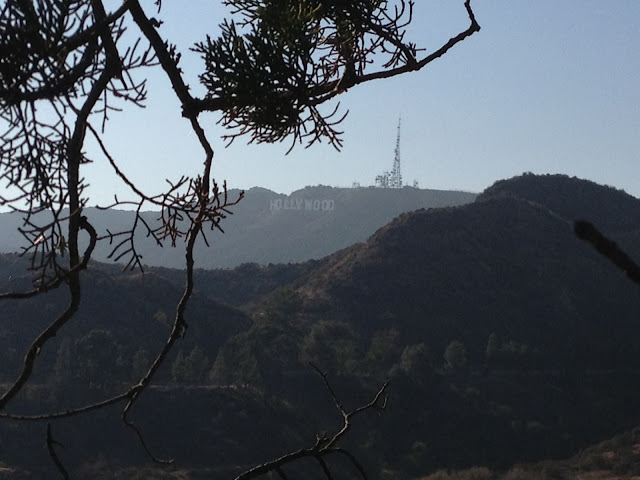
(267,227)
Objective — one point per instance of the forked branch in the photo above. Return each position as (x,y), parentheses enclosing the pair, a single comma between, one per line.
(325,444)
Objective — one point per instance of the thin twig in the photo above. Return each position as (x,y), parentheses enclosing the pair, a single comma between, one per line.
(324,445)
(51,443)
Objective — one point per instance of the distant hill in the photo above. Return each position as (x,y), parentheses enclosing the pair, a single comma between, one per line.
(267,227)
(611,209)
(509,263)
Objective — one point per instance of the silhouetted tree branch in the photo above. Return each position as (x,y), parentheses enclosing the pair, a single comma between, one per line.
(325,444)
(269,81)
(589,233)
(51,444)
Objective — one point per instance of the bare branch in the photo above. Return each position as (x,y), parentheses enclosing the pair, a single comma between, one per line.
(72,411)
(324,445)
(52,329)
(138,432)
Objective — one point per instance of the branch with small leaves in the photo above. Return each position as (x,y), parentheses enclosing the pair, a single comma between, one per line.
(52,329)
(270,81)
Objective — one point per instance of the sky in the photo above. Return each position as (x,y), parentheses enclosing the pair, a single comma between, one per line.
(544,87)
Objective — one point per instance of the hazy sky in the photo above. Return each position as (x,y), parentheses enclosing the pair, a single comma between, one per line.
(546,86)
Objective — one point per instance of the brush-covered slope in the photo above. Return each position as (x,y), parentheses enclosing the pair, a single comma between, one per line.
(502,265)
(133,311)
(548,328)
(611,210)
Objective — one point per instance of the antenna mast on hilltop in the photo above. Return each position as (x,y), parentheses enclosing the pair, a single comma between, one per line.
(396,177)
(392,179)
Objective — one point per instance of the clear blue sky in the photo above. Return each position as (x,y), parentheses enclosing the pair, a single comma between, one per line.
(545,86)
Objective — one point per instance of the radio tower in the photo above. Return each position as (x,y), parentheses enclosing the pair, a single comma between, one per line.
(392,179)
(395,181)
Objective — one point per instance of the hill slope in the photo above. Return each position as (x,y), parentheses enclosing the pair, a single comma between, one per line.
(503,264)
(267,227)
(548,326)
(135,309)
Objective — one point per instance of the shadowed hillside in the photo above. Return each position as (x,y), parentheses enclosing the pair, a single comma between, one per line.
(136,309)
(613,210)
(501,265)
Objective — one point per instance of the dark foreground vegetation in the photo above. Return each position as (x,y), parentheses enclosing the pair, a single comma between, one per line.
(507,341)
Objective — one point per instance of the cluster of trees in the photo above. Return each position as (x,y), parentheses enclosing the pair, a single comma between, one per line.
(281,341)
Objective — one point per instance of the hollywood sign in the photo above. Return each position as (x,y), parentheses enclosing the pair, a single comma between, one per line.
(302,204)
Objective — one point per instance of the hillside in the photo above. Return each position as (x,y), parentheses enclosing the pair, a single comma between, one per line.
(266,227)
(502,265)
(549,328)
(613,210)
(135,309)
(507,339)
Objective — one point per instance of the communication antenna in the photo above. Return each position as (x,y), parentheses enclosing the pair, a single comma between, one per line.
(392,179)
(396,176)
